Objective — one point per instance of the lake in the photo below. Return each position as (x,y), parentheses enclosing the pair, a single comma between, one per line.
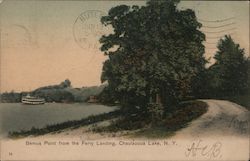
(17,116)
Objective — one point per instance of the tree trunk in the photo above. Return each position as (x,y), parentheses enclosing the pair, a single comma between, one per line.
(158,99)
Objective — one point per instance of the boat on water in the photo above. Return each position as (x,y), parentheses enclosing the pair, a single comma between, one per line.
(31,100)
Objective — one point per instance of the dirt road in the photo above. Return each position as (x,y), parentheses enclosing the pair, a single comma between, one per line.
(223,118)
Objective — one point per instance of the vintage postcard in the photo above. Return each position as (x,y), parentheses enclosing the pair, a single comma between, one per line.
(117,80)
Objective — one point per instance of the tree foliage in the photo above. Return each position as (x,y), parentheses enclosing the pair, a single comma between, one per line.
(65,84)
(10,97)
(229,75)
(153,49)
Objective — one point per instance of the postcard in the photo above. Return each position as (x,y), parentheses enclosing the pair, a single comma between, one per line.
(121,80)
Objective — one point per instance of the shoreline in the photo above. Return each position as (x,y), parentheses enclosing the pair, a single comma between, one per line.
(102,125)
(85,128)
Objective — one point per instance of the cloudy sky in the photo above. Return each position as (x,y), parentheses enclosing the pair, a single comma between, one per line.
(45,42)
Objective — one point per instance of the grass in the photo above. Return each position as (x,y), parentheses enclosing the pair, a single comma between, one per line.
(65,125)
(179,118)
(154,133)
(174,120)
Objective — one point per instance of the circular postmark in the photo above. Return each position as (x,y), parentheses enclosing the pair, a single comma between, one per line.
(88,29)
(16,35)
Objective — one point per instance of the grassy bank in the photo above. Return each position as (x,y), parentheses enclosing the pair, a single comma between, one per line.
(174,120)
(61,126)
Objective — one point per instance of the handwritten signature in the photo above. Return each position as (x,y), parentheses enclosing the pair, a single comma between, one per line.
(197,148)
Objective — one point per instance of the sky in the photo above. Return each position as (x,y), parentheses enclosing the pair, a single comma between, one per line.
(45,42)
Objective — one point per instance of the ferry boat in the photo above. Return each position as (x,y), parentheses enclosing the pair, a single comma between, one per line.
(32,100)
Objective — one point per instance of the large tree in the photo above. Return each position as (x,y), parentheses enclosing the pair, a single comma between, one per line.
(230,71)
(154,50)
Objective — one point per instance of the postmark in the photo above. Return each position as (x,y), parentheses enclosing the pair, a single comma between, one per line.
(87,29)
(16,35)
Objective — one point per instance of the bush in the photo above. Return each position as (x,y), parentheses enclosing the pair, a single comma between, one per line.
(155,112)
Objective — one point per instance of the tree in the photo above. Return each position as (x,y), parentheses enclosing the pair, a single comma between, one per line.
(65,84)
(230,71)
(248,75)
(10,97)
(155,50)
(107,96)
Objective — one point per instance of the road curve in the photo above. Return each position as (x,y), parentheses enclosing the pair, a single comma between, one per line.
(223,118)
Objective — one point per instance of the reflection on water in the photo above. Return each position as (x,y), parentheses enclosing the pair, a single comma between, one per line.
(17,116)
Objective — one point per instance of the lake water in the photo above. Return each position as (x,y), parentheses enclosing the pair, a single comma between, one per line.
(17,116)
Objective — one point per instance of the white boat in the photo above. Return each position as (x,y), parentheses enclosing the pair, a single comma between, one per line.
(32,100)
